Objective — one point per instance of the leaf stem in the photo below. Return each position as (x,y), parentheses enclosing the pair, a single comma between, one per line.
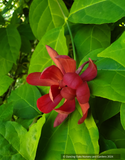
(73,46)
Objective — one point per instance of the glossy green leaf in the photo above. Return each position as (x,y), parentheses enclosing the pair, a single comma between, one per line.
(122,114)
(109,82)
(5,82)
(45,15)
(115,154)
(17,143)
(113,130)
(40,59)
(24,101)
(116,51)
(97,11)
(10,44)
(6,111)
(68,138)
(104,109)
(89,38)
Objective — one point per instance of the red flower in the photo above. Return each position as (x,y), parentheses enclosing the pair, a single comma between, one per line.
(65,82)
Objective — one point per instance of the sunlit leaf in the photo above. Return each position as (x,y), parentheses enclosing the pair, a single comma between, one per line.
(68,138)
(10,43)
(110,79)
(97,11)
(17,143)
(45,15)
(6,111)
(89,38)
(40,58)
(116,51)
(5,82)
(24,101)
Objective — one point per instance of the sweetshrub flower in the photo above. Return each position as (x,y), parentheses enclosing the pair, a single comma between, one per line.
(65,82)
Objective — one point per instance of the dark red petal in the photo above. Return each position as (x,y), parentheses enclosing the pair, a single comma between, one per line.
(84,108)
(59,119)
(83,93)
(90,73)
(72,80)
(54,54)
(81,67)
(46,105)
(52,72)
(34,79)
(67,107)
(68,93)
(53,92)
(67,63)
(62,84)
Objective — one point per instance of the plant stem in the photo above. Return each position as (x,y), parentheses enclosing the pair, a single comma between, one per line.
(73,46)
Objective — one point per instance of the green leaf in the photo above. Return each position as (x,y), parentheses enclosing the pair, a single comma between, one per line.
(116,51)
(17,143)
(14,19)
(122,115)
(106,144)
(104,109)
(25,45)
(5,82)
(40,58)
(24,101)
(6,111)
(45,15)
(116,153)
(1,19)
(68,138)
(113,130)
(10,44)
(8,7)
(25,30)
(110,79)
(97,11)
(89,38)
(25,122)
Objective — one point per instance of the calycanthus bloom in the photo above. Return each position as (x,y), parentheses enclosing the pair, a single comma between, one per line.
(65,82)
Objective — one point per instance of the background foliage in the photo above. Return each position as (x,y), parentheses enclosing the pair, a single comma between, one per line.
(82,30)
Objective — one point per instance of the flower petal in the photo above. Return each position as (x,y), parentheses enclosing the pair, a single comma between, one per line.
(81,67)
(67,107)
(54,91)
(90,73)
(67,63)
(53,54)
(72,80)
(34,79)
(53,73)
(59,119)
(68,93)
(84,108)
(46,105)
(83,93)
